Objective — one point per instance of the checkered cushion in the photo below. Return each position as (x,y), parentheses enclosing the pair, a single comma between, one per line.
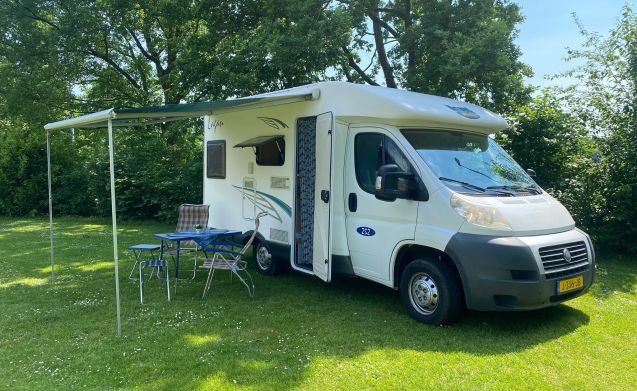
(189,216)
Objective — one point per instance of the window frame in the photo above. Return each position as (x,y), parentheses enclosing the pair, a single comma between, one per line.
(280,148)
(222,171)
(383,138)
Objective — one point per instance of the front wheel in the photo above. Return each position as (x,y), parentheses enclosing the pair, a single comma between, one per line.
(431,292)
(266,263)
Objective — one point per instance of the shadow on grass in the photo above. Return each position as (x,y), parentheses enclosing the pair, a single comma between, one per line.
(270,340)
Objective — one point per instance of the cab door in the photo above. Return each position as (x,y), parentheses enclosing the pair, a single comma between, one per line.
(374,227)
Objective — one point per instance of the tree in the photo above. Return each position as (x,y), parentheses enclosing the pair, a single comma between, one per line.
(60,58)
(461,49)
(605,100)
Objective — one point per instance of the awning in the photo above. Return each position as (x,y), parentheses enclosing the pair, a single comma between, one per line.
(159,114)
(258,141)
(146,116)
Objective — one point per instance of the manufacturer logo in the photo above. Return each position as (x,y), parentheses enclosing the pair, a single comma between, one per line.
(567,255)
(365,231)
(463,111)
(213,125)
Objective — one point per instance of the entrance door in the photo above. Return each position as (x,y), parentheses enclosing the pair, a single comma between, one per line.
(312,209)
(374,227)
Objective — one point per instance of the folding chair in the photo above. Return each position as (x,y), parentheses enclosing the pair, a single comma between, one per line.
(226,259)
(189,216)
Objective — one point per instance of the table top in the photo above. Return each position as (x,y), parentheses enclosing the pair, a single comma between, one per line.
(187,235)
(144,247)
(201,238)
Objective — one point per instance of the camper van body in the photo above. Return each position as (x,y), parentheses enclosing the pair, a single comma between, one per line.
(323,219)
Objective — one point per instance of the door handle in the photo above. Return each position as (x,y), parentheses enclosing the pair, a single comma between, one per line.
(352,202)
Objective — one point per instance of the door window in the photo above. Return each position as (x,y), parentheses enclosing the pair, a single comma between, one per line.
(373,150)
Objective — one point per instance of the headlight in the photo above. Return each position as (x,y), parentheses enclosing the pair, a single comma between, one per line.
(478,214)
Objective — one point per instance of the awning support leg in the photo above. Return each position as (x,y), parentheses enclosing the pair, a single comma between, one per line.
(114,217)
(48,165)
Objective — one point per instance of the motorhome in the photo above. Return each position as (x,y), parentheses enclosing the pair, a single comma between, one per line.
(405,189)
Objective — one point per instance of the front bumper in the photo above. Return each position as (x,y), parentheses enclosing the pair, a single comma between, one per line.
(507,273)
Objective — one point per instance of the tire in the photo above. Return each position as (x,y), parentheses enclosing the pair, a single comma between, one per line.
(431,292)
(265,263)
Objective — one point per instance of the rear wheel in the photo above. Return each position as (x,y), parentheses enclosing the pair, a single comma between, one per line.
(431,292)
(266,263)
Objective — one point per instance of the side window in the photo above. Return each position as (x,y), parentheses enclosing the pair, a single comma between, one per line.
(216,159)
(372,150)
(368,157)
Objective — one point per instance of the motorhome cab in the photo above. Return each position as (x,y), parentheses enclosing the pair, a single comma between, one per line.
(404,189)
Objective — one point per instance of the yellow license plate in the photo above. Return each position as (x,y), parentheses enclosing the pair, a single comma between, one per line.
(570,284)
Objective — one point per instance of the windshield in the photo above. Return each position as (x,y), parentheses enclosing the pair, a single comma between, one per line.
(470,163)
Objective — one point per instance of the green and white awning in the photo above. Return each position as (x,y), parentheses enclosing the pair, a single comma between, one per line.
(159,114)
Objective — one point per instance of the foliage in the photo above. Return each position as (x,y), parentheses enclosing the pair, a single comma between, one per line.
(140,53)
(605,99)
(582,140)
(460,49)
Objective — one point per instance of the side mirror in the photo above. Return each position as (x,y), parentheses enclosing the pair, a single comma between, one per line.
(531,173)
(392,183)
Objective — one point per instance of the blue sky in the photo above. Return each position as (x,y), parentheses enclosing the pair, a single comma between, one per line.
(549,29)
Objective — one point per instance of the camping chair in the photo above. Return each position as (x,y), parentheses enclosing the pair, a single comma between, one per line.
(226,259)
(189,216)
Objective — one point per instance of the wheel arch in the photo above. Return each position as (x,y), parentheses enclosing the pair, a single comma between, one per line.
(410,251)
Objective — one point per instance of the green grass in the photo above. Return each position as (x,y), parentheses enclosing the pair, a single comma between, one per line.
(298,333)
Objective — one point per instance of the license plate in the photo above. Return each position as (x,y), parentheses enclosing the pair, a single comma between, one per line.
(570,284)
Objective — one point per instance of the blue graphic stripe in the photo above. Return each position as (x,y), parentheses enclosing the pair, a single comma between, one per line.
(286,208)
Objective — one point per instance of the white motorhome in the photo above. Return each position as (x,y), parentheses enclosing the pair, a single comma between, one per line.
(401,188)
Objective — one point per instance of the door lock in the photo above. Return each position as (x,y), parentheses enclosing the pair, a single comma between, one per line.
(325,196)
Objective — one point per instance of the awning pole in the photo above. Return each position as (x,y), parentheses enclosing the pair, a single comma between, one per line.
(48,164)
(114,216)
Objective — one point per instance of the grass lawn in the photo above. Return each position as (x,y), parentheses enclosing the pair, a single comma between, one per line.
(298,333)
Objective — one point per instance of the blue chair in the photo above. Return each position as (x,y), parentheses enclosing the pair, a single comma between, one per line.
(226,258)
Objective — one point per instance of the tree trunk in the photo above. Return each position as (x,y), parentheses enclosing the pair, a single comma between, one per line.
(388,72)
(411,53)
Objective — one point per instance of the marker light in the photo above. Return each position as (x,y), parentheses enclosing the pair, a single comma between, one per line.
(478,214)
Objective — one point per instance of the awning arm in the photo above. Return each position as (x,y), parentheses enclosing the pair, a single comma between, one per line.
(82,120)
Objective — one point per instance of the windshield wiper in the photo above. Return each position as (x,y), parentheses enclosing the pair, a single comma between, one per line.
(476,187)
(465,184)
(528,189)
(472,170)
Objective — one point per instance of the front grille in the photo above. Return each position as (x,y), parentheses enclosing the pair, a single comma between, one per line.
(556,265)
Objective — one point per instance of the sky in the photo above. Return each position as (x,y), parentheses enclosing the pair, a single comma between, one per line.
(549,29)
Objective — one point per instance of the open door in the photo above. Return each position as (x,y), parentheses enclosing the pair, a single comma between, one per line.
(321,259)
(312,205)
